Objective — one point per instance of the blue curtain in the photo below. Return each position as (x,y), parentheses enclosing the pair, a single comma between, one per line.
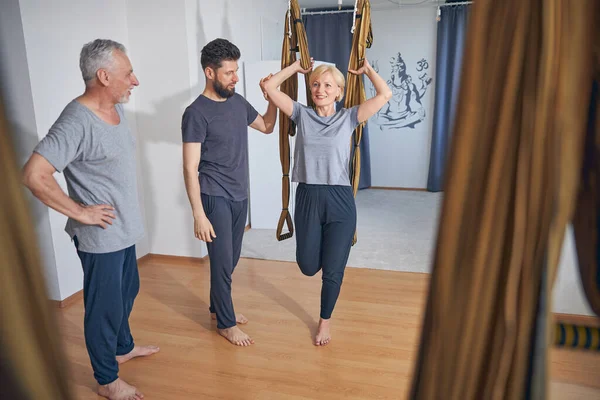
(329,39)
(451,33)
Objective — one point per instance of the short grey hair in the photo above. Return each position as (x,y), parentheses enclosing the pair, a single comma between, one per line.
(95,55)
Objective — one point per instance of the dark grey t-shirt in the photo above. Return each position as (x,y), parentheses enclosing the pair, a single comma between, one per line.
(98,162)
(322,153)
(222,128)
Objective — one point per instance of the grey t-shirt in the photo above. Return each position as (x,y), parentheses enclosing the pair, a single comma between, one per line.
(222,128)
(322,153)
(98,162)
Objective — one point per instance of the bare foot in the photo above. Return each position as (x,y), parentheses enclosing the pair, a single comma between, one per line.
(239,318)
(119,390)
(323,336)
(236,336)
(138,351)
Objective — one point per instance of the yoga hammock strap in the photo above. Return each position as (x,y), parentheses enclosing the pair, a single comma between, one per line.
(292,44)
(362,38)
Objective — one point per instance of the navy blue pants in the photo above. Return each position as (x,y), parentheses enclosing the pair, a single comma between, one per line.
(228,219)
(110,284)
(325,219)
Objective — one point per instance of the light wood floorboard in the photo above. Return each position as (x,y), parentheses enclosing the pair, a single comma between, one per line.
(375,326)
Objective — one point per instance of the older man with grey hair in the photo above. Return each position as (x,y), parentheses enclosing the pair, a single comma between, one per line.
(91,144)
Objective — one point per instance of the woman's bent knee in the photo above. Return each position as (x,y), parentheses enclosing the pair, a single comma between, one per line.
(308,269)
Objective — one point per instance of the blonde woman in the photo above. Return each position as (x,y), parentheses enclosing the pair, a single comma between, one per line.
(325,212)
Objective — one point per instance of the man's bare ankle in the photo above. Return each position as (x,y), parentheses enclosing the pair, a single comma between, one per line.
(118,389)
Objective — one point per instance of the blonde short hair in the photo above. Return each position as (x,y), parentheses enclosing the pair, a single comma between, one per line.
(338,77)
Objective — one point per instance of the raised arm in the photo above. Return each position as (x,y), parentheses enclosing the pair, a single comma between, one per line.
(280,99)
(265,123)
(370,107)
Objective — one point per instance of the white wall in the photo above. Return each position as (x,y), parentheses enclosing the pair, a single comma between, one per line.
(400,156)
(158,40)
(263,156)
(568,295)
(15,88)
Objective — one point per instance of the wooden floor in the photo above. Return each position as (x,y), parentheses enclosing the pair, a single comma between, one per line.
(375,334)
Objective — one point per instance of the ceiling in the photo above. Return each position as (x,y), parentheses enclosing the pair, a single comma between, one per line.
(349,3)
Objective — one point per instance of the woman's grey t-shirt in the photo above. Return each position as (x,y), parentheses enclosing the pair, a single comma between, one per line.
(98,162)
(322,153)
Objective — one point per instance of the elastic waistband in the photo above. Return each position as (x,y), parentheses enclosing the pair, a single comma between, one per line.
(318,186)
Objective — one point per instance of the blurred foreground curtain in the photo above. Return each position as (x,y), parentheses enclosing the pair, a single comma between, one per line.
(32,364)
(515,165)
